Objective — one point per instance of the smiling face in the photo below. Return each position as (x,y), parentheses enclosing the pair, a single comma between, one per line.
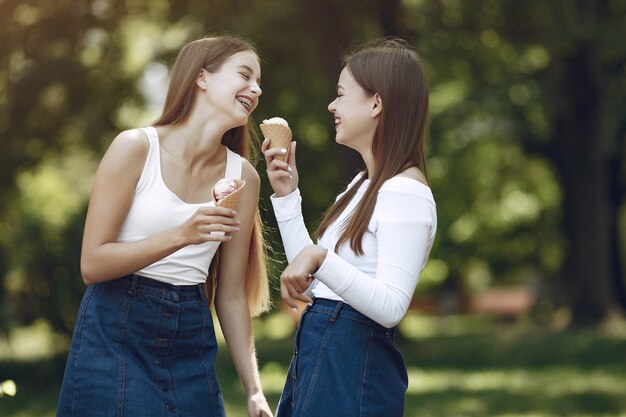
(234,89)
(355,113)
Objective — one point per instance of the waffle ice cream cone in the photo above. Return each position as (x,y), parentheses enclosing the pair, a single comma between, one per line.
(227,192)
(278,132)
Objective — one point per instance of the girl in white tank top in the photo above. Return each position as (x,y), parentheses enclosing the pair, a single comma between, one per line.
(144,341)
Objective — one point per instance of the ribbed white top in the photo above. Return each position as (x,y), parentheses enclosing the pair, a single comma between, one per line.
(156,208)
(380,283)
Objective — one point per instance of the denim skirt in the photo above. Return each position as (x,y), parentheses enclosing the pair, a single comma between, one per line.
(344,365)
(142,348)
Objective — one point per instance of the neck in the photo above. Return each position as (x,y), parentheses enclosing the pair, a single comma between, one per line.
(202,133)
(368,158)
(196,143)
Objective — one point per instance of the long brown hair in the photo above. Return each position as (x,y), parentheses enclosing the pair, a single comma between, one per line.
(391,69)
(210,53)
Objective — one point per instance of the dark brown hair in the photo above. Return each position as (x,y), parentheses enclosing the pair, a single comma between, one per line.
(210,53)
(391,69)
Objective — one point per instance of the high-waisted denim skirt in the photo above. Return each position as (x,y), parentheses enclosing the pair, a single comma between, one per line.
(344,365)
(142,348)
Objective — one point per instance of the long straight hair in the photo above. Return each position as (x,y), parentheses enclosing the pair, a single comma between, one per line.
(391,69)
(210,53)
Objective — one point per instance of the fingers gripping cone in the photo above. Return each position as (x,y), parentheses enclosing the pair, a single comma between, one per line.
(278,132)
(228,199)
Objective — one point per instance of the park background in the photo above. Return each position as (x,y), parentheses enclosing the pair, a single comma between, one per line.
(520,309)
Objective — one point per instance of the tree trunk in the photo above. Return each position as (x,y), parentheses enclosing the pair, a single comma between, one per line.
(328,24)
(582,163)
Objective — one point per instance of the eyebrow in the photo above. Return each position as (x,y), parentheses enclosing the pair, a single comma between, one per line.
(250,70)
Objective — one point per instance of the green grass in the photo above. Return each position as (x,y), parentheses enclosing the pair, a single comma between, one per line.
(458,366)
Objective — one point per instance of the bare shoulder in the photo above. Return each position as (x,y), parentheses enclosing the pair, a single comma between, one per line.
(414,173)
(126,156)
(130,144)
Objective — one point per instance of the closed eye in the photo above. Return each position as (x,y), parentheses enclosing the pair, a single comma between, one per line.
(245,76)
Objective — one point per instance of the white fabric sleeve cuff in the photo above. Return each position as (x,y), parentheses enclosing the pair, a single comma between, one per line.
(287,207)
(336,273)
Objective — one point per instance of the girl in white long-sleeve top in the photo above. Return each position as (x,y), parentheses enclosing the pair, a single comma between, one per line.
(372,243)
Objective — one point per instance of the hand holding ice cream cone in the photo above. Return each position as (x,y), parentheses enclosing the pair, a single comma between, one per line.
(278,132)
(281,165)
(227,192)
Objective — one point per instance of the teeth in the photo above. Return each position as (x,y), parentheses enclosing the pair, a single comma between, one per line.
(246,102)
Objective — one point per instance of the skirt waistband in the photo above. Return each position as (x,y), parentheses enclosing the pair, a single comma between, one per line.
(151,286)
(339,309)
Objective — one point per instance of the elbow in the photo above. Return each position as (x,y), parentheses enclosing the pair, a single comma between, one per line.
(88,279)
(393,317)
(390,322)
(88,272)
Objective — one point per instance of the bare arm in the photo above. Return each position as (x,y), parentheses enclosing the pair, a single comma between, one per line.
(230,300)
(102,257)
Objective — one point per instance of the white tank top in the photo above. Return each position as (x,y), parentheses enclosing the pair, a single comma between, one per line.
(156,208)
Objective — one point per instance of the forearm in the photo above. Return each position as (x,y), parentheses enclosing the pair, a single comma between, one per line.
(293,231)
(112,260)
(378,299)
(234,318)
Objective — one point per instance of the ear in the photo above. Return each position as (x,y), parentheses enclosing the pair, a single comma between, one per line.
(201,79)
(377,105)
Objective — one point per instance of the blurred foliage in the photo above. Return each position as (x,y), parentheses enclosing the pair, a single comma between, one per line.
(73,73)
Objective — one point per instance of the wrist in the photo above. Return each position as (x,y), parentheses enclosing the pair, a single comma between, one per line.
(284,193)
(320,256)
(253,390)
(179,239)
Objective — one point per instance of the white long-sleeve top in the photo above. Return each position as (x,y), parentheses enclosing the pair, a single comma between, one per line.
(380,283)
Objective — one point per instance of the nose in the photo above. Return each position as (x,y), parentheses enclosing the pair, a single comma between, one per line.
(331,106)
(256,89)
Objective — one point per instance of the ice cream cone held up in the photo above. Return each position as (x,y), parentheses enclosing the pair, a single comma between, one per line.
(278,132)
(227,192)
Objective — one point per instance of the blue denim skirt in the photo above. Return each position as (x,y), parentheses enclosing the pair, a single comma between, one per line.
(344,364)
(142,348)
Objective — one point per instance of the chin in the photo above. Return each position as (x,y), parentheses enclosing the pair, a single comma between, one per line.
(241,121)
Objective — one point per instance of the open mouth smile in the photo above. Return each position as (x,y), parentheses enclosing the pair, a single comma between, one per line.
(246,102)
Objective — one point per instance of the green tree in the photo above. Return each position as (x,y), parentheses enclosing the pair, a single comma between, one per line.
(526,151)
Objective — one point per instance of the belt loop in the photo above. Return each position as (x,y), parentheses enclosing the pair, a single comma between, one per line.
(133,284)
(200,288)
(336,312)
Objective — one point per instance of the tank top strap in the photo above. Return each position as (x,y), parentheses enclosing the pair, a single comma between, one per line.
(233,164)
(151,168)
(152,135)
